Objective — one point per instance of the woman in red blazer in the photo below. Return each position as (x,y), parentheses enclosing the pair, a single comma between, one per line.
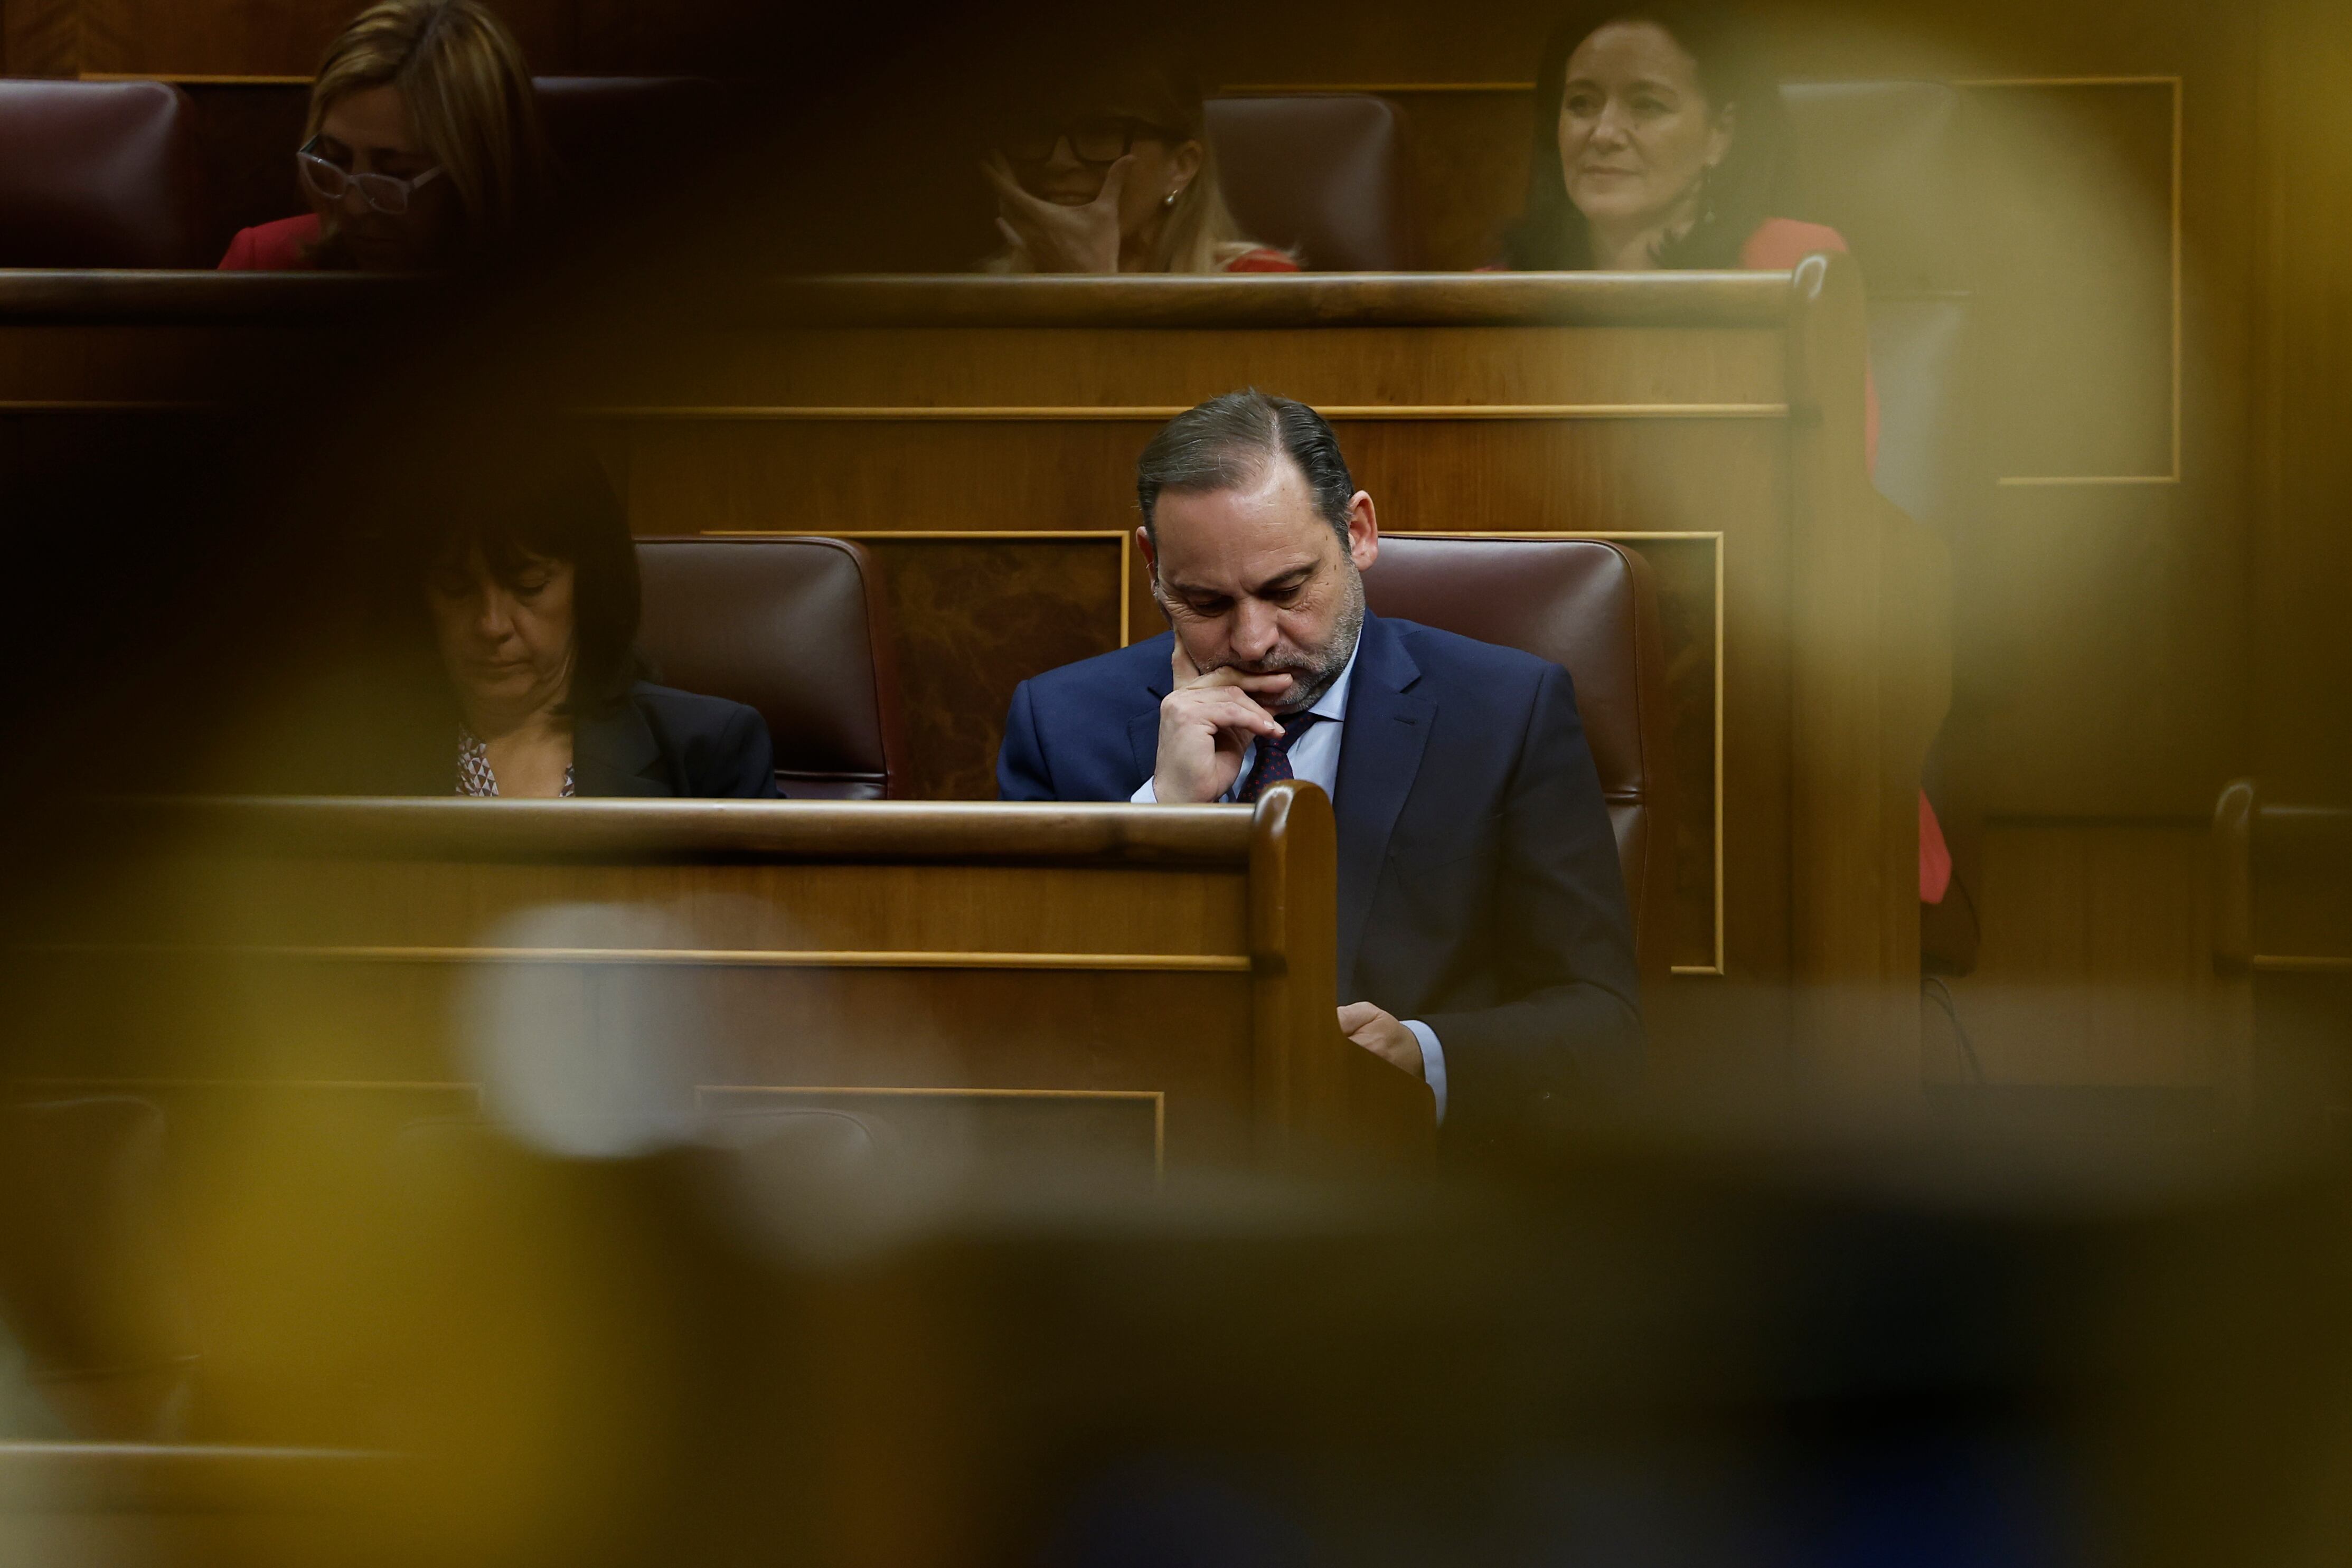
(1657,142)
(1658,139)
(423,149)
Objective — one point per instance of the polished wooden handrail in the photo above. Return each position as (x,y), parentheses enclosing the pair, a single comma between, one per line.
(96,297)
(438,828)
(1303,300)
(1299,299)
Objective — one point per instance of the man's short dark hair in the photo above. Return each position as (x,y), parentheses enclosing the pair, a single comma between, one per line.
(1227,442)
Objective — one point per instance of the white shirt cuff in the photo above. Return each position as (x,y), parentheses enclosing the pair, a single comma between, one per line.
(1147,796)
(1432,1062)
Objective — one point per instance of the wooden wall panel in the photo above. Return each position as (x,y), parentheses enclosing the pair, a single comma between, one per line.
(2302,549)
(975,619)
(2074,187)
(1149,373)
(665,949)
(271,38)
(2097,963)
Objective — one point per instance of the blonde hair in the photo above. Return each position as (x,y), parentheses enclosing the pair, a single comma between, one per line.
(1201,233)
(462,80)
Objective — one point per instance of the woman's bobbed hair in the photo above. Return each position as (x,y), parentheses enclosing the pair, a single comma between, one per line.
(461,77)
(1735,71)
(543,497)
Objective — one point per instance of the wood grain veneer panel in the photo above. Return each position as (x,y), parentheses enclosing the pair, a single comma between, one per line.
(974,619)
(259,1022)
(333,903)
(254,960)
(2096,967)
(269,37)
(1177,367)
(1426,476)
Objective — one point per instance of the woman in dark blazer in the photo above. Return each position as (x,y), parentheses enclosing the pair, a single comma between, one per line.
(529,590)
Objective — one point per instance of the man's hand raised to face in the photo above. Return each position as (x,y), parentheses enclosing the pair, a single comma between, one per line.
(1206,722)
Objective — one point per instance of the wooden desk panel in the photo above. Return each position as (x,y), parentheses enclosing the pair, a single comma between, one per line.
(1178,956)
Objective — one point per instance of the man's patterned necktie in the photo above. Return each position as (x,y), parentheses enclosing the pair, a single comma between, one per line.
(1273,761)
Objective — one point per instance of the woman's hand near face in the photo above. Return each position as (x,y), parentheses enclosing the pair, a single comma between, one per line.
(1053,237)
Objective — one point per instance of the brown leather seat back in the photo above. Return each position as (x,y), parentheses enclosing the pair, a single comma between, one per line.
(98,173)
(792,627)
(1321,174)
(1587,606)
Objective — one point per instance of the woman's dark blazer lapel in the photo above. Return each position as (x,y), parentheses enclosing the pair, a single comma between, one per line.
(615,754)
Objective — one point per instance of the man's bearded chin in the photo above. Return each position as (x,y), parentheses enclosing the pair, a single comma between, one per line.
(1312,673)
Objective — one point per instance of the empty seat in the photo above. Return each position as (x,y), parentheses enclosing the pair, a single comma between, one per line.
(1320,174)
(101,174)
(794,628)
(1588,607)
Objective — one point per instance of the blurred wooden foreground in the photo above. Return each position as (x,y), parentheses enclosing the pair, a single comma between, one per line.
(1101,985)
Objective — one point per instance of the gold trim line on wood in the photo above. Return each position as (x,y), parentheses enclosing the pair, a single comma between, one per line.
(1715,538)
(374,1083)
(99,406)
(1263,90)
(743,958)
(1084,413)
(2065,81)
(2300,964)
(1158,1098)
(702,1088)
(1271,89)
(2064,481)
(186,78)
(1091,536)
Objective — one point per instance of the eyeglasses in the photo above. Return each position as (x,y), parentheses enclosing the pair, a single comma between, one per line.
(329,182)
(1101,142)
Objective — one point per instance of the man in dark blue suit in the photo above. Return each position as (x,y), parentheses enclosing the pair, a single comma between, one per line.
(1483,943)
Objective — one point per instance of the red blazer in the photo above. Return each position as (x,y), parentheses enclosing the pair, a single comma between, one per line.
(272,247)
(1261,259)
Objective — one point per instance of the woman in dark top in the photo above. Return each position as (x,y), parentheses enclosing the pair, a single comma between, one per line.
(533,603)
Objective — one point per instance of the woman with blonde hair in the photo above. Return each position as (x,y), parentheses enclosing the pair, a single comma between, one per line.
(1112,172)
(423,150)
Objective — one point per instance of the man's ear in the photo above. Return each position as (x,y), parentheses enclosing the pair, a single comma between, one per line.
(1363,531)
(1150,556)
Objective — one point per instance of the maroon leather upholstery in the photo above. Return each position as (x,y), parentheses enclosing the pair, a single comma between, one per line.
(1321,174)
(1587,606)
(608,129)
(99,173)
(792,627)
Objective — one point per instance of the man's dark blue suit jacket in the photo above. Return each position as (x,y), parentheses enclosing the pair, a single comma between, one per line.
(1479,885)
